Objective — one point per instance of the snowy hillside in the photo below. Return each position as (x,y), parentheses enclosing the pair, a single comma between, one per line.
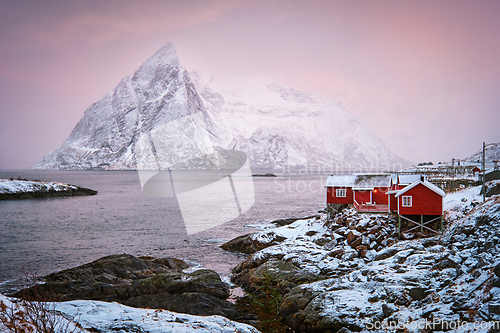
(492,153)
(187,121)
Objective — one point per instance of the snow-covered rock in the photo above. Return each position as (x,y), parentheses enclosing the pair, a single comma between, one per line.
(27,189)
(411,284)
(311,249)
(98,316)
(434,281)
(186,121)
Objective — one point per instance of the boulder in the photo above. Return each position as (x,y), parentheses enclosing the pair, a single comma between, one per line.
(140,282)
(248,244)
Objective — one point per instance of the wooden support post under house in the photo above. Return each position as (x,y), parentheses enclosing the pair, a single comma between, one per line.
(399,226)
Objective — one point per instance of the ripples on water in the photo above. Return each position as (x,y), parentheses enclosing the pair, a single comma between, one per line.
(46,235)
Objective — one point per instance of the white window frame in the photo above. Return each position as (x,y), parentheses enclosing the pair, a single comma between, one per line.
(340,193)
(407,201)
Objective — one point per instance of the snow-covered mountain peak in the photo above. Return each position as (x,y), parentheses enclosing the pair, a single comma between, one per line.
(274,124)
(158,93)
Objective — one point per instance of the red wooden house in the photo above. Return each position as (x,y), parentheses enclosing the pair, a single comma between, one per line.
(420,204)
(367,192)
(414,199)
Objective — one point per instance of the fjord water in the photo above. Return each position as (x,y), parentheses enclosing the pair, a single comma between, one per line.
(46,235)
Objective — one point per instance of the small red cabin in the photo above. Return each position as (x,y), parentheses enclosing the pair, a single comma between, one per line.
(419,205)
(420,198)
(339,190)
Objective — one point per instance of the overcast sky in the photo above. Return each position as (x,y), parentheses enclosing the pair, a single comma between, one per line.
(425,75)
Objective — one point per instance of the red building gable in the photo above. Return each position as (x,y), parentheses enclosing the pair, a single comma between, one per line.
(420,198)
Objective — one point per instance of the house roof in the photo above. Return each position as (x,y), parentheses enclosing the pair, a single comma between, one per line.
(426,183)
(359,181)
(407,179)
(372,180)
(340,181)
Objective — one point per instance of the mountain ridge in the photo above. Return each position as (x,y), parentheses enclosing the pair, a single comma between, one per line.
(275,125)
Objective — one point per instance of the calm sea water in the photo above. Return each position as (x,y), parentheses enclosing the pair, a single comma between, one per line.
(46,235)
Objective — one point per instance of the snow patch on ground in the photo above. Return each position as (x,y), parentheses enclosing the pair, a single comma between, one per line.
(459,203)
(113,317)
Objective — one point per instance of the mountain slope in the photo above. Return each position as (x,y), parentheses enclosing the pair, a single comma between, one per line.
(492,153)
(185,122)
(158,93)
(276,126)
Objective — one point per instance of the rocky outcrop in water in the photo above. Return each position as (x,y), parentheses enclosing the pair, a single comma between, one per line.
(11,189)
(139,282)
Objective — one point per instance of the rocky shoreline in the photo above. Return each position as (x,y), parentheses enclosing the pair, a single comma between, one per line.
(144,282)
(353,274)
(347,274)
(17,189)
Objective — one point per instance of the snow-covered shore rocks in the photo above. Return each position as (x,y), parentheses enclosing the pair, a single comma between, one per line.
(143,282)
(434,282)
(98,316)
(311,249)
(27,189)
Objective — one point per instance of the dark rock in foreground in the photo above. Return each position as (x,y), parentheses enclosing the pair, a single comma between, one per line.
(25,189)
(139,282)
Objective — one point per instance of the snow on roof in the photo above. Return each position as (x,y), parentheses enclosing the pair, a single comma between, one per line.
(407,179)
(394,178)
(426,183)
(358,181)
(340,181)
(372,180)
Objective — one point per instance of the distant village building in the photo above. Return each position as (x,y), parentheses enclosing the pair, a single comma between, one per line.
(493,173)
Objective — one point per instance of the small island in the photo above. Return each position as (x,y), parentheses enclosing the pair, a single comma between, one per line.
(264,175)
(15,189)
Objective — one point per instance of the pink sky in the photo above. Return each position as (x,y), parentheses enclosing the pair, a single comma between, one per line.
(425,75)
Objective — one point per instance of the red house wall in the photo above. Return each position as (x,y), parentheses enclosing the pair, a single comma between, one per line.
(424,202)
(332,199)
(362,196)
(379,197)
(394,202)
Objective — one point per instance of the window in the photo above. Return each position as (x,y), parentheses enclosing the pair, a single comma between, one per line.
(340,192)
(407,201)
